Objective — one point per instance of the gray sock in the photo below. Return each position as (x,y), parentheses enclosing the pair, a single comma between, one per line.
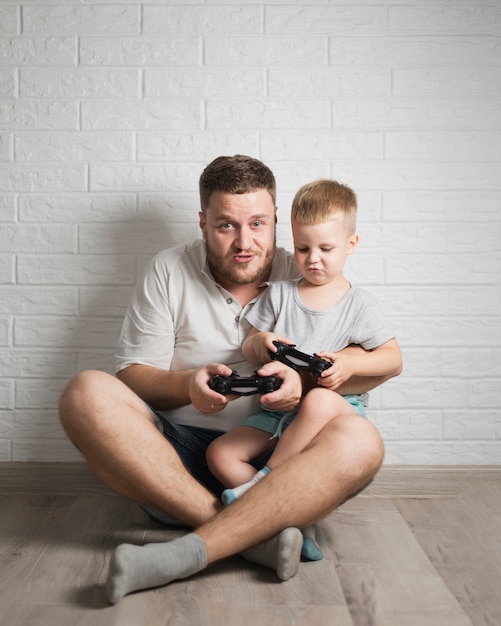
(281,553)
(154,564)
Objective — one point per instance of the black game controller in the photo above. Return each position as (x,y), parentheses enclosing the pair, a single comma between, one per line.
(299,360)
(244,386)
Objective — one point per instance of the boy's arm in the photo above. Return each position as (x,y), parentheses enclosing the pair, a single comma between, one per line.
(257,344)
(355,370)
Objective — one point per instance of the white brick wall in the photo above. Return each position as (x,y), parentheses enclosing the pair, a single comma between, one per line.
(110,110)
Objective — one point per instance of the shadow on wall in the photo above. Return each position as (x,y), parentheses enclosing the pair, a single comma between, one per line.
(119,252)
(111,255)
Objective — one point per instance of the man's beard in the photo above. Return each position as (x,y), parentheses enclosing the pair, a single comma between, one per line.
(239,274)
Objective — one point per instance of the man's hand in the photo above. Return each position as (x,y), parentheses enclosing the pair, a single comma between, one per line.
(288,396)
(202,396)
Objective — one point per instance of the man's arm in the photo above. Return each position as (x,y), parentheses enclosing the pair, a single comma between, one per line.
(166,390)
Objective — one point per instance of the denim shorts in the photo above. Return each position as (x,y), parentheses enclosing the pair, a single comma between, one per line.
(190,443)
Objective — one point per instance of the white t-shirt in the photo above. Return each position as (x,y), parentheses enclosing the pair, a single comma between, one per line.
(180,318)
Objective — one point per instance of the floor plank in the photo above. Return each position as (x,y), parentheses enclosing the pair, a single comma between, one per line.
(384,572)
(425,550)
(462,540)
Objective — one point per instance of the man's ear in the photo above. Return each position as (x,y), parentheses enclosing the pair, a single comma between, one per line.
(202,223)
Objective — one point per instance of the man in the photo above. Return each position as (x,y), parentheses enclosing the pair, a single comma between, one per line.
(144,433)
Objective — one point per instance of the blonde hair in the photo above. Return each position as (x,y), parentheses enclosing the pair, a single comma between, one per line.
(322,200)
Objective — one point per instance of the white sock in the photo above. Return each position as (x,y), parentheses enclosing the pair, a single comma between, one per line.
(141,567)
(230,495)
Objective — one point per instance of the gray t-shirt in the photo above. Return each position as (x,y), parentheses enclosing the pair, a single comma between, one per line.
(355,319)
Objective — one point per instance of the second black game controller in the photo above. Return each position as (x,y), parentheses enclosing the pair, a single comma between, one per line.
(299,361)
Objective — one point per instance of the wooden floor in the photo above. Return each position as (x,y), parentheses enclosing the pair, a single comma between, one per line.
(421,547)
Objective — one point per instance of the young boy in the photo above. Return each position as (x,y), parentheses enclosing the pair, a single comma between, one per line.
(321,313)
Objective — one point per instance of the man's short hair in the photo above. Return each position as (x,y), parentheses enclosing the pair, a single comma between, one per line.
(235,174)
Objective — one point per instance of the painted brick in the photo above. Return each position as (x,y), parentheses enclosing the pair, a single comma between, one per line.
(158,146)
(340,19)
(6,146)
(35,450)
(42,238)
(452,269)
(176,20)
(426,113)
(69,332)
(203,82)
(144,177)
(471,207)
(268,114)
(64,19)
(328,82)
(28,363)
(157,114)
(445,82)
(470,424)
(263,51)
(405,424)
(141,238)
(79,83)
(38,51)
(397,51)
(117,269)
(9,19)
(7,207)
(6,394)
(18,300)
(104,301)
(74,146)
(47,425)
(39,115)
(25,178)
(8,87)
(77,207)
(443,146)
(322,145)
(453,20)
(139,51)
(169,205)
(7,268)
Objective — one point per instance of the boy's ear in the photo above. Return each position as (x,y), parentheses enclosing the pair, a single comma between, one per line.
(352,243)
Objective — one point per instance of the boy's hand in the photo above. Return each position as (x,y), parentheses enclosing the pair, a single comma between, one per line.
(262,343)
(343,368)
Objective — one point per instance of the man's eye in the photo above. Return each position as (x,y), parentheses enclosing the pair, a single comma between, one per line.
(257,224)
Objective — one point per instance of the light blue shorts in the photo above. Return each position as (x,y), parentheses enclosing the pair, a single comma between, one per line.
(274,422)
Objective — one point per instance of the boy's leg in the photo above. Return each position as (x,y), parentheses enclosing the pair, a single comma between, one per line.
(229,456)
(319,407)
